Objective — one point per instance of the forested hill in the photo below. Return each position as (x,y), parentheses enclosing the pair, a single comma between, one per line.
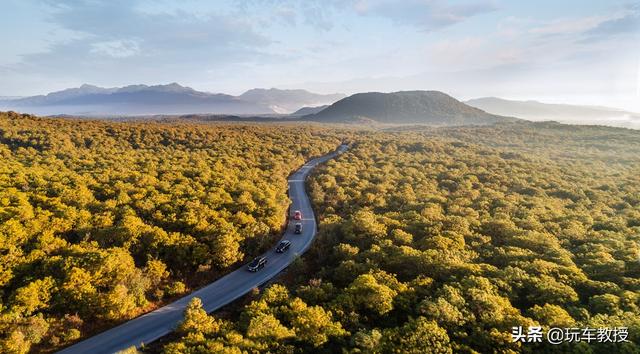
(405,107)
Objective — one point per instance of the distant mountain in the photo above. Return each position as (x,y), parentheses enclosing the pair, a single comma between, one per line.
(132,100)
(287,101)
(565,113)
(171,99)
(405,107)
(309,110)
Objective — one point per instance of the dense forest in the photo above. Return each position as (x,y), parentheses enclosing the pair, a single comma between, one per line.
(442,240)
(101,221)
(431,239)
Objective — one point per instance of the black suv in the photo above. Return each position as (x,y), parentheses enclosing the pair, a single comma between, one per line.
(283,246)
(257,264)
(297,228)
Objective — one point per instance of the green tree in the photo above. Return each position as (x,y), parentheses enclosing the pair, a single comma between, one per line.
(268,328)
(313,324)
(196,320)
(367,293)
(33,297)
(417,336)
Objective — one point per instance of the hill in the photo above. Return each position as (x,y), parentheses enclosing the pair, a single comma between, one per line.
(565,113)
(287,101)
(405,107)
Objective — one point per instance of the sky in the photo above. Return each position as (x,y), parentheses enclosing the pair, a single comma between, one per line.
(584,52)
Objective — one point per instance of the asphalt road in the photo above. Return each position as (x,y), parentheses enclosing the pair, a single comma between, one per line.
(153,325)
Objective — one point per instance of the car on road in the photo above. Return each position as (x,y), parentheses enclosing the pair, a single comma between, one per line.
(297,215)
(297,229)
(283,246)
(257,264)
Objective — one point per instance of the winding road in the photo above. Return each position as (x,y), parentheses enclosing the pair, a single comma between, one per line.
(155,324)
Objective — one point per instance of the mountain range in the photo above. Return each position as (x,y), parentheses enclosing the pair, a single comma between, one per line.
(564,113)
(405,107)
(163,99)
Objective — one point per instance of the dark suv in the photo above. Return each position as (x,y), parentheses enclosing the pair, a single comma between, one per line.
(297,228)
(257,264)
(283,246)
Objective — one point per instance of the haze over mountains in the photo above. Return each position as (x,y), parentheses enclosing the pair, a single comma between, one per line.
(287,101)
(163,99)
(405,107)
(309,110)
(564,113)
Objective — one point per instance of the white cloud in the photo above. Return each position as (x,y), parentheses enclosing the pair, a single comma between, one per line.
(116,48)
(428,15)
(118,43)
(568,26)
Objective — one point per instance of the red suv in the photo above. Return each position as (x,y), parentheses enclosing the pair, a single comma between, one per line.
(297,215)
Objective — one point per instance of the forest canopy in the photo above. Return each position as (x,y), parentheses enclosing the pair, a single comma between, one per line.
(99,221)
(442,240)
(430,239)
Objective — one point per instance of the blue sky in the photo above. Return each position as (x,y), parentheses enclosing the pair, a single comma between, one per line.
(561,51)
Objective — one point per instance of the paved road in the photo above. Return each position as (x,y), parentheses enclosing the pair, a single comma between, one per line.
(153,325)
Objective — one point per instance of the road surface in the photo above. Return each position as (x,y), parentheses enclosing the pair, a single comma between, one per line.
(153,325)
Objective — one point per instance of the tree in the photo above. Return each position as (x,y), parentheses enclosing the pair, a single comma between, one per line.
(313,324)
(417,336)
(226,250)
(367,293)
(119,303)
(275,295)
(15,343)
(33,297)
(367,341)
(268,328)
(79,290)
(196,320)
(606,303)
(552,316)
(156,272)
